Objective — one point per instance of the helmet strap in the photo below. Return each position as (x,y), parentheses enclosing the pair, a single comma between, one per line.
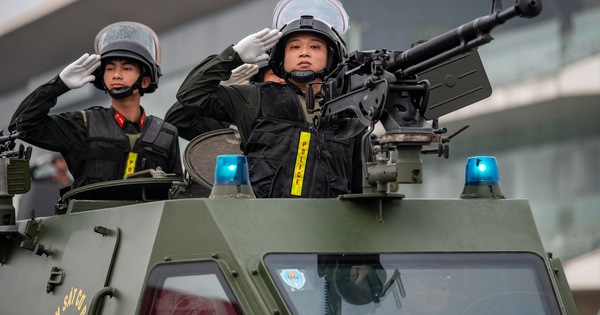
(127,90)
(302,76)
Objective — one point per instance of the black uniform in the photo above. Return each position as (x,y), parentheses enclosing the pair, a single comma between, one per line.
(189,125)
(78,136)
(286,157)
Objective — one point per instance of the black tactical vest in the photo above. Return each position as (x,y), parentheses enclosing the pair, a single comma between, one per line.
(107,148)
(288,159)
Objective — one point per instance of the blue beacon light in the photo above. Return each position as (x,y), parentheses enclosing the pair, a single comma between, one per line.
(232,179)
(481,178)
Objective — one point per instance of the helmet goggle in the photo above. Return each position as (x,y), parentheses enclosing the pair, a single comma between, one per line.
(129,32)
(329,11)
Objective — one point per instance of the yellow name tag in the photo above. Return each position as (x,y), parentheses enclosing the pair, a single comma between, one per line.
(300,166)
(130,166)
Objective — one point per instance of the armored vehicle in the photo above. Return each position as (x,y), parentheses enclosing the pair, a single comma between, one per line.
(203,245)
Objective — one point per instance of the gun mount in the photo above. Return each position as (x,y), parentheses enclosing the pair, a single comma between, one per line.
(403,90)
(14,179)
(14,166)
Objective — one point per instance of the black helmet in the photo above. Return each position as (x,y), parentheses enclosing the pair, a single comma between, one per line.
(307,23)
(134,41)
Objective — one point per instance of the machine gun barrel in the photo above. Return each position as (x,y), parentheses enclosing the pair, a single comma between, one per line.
(457,41)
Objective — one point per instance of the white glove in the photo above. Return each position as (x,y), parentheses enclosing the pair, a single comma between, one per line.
(241,74)
(80,72)
(252,48)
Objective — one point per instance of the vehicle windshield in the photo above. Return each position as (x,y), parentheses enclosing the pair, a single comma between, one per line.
(440,283)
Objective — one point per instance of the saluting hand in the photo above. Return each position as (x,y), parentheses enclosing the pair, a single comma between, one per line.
(241,74)
(253,48)
(80,72)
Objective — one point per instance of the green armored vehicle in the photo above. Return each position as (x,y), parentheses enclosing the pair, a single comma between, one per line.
(204,245)
(355,255)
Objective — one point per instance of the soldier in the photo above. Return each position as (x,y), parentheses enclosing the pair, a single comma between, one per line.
(286,157)
(101,144)
(191,125)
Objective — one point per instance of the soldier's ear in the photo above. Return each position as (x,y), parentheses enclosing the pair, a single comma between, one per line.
(145,81)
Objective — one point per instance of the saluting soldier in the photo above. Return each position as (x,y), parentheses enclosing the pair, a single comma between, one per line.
(286,157)
(98,143)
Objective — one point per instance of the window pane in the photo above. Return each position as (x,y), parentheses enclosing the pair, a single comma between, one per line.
(188,288)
